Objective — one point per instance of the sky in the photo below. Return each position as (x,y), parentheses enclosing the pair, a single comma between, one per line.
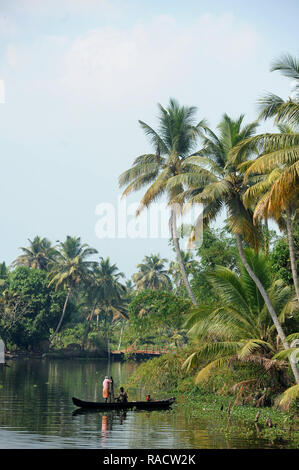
(75,77)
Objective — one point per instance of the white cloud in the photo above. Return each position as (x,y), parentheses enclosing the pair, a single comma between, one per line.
(8,29)
(2,92)
(114,65)
(138,65)
(44,7)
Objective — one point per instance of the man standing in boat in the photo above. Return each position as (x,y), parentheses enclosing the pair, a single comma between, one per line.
(106,384)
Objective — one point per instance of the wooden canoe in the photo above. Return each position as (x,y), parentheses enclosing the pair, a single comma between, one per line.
(139,405)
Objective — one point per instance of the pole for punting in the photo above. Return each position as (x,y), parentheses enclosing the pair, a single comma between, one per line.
(2,352)
(109,356)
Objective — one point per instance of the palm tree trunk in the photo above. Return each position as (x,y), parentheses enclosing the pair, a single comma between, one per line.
(172,223)
(292,251)
(88,327)
(109,356)
(62,316)
(266,238)
(267,302)
(120,337)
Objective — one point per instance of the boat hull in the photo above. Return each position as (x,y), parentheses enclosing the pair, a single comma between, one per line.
(139,405)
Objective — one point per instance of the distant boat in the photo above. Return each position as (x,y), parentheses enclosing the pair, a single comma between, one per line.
(139,405)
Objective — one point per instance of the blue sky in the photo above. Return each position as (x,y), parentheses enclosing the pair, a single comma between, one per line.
(80,73)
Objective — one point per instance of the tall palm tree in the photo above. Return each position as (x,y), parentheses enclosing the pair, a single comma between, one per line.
(214,179)
(38,255)
(70,269)
(278,152)
(152,274)
(108,279)
(239,320)
(263,197)
(106,292)
(217,184)
(172,143)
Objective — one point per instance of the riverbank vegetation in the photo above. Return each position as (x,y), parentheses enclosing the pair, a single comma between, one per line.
(225,314)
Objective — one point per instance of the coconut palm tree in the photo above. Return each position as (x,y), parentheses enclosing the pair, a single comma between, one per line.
(172,143)
(262,197)
(70,269)
(278,156)
(38,255)
(106,293)
(152,274)
(108,279)
(219,184)
(239,322)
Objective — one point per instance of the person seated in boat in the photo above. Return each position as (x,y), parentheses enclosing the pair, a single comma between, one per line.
(148,398)
(106,384)
(122,397)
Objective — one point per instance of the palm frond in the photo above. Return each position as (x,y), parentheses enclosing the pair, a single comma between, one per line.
(252,346)
(287,65)
(288,113)
(269,105)
(286,353)
(206,371)
(157,142)
(290,395)
(293,336)
(155,190)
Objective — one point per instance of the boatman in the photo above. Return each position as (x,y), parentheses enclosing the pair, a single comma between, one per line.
(106,384)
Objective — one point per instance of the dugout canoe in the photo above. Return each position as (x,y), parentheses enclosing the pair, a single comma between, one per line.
(139,405)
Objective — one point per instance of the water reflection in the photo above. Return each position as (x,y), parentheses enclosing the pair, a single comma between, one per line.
(37,411)
(107,423)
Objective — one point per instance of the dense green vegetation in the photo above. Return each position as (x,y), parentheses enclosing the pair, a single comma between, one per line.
(227,312)
(30,308)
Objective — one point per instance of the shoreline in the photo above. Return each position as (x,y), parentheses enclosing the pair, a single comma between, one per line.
(55,355)
(71,354)
(278,427)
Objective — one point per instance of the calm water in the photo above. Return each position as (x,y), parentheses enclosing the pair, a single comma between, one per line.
(37,412)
